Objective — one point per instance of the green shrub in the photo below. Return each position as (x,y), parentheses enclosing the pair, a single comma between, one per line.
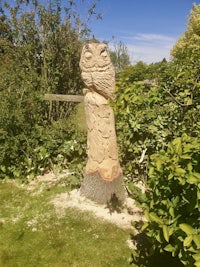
(172,203)
(143,125)
(41,56)
(147,118)
(30,144)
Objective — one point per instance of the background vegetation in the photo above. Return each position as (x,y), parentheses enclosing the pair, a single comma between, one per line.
(158,128)
(39,50)
(157,112)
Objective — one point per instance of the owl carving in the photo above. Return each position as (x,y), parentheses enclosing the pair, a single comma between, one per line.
(97,71)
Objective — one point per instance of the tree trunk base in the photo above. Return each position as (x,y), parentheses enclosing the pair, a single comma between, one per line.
(103,192)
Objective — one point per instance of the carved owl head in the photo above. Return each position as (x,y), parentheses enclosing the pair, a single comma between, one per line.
(94,57)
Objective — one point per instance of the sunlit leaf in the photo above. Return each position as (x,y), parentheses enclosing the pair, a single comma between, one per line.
(187,241)
(165,232)
(170,248)
(179,171)
(155,218)
(188,229)
(196,239)
(196,257)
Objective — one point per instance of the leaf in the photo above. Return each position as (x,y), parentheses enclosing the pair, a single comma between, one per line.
(17,173)
(3,168)
(189,167)
(196,257)
(178,148)
(197,175)
(158,164)
(198,195)
(146,213)
(176,200)
(180,74)
(185,156)
(192,180)
(158,237)
(187,241)
(170,248)
(181,181)
(197,263)
(189,101)
(179,171)
(165,232)
(196,239)
(188,229)
(151,170)
(144,226)
(153,217)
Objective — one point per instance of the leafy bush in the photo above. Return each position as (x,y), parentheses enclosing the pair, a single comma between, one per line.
(22,116)
(31,141)
(143,125)
(31,145)
(148,117)
(158,126)
(172,205)
(39,52)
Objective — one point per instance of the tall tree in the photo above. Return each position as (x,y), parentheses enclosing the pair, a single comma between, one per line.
(186,60)
(120,57)
(44,44)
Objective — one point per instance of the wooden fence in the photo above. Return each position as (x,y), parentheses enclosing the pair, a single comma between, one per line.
(64,98)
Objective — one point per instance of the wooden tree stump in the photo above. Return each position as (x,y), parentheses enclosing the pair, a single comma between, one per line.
(103,175)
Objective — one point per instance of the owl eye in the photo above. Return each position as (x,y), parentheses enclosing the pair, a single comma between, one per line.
(88,55)
(104,53)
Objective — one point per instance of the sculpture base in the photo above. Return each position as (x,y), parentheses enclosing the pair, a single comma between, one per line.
(101,191)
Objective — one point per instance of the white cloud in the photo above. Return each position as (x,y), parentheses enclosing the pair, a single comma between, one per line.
(149,47)
(147,54)
(152,37)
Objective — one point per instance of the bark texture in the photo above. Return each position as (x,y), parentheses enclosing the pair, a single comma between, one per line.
(101,191)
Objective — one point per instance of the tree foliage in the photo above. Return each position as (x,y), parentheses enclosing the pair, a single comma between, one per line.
(158,126)
(120,57)
(39,52)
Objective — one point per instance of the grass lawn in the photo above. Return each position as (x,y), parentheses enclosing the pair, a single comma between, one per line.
(31,234)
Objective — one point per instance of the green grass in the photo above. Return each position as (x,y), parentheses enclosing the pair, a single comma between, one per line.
(32,235)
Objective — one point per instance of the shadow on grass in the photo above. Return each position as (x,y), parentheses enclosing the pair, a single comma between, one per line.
(145,258)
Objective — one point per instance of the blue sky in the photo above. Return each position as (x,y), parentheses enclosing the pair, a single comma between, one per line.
(149,28)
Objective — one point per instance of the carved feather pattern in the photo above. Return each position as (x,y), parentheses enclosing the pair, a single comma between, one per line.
(97,70)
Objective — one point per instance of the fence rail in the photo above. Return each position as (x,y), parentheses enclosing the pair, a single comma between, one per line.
(64,98)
